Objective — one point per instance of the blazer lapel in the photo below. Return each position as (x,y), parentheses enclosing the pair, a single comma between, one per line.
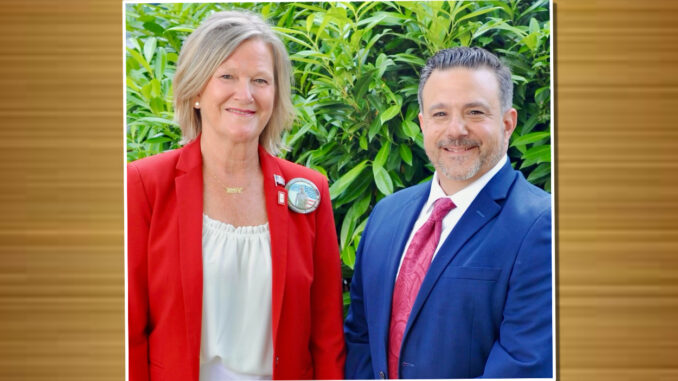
(278,219)
(393,251)
(189,192)
(479,213)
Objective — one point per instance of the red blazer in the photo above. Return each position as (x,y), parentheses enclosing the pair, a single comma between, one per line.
(164,259)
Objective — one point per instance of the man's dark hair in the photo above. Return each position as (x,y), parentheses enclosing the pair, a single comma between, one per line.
(472,58)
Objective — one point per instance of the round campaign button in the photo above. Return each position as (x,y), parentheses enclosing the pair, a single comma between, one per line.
(302,195)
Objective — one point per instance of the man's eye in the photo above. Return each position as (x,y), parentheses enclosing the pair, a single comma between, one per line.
(439,114)
(476,112)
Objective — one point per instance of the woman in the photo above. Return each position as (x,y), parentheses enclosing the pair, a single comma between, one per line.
(227,279)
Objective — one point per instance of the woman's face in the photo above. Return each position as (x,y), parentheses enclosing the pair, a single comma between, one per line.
(238,99)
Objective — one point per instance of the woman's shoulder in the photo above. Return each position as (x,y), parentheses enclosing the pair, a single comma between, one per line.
(156,169)
(157,161)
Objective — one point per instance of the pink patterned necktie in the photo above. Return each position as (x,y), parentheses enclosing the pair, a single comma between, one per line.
(412,272)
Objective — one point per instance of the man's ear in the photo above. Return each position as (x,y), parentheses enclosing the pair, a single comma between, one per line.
(421,123)
(509,120)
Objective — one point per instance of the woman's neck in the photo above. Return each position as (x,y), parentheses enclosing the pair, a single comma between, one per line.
(228,158)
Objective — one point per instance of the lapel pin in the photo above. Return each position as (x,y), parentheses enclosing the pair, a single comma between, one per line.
(302,195)
(281,198)
(279,180)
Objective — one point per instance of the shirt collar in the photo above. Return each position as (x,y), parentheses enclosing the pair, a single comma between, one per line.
(463,198)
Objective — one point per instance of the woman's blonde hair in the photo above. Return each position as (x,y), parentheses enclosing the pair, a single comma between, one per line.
(209,46)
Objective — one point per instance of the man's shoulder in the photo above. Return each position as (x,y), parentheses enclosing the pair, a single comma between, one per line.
(405,196)
(530,196)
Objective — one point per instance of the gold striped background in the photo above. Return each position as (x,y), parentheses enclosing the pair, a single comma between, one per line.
(61,162)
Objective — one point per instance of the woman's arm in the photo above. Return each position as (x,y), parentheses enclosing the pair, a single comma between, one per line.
(138,221)
(327,336)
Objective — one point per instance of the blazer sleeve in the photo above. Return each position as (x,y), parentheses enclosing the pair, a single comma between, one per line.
(358,357)
(138,222)
(524,347)
(327,339)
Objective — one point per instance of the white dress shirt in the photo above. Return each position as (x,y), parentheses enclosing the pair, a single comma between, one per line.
(462,199)
(237,339)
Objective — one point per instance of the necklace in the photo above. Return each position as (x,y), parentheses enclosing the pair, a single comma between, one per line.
(229,190)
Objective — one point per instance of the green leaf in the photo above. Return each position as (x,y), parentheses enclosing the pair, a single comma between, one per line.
(465,38)
(347,227)
(531,40)
(363,142)
(156,88)
(543,169)
(375,126)
(151,119)
(410,58)
(348,256)
(351,218)
(410,129)
(158,139)
(345,181)
(140,59)
(389,113)
(532,8)
(347,294)
(157,105)
(479,12)
(361,185)
(532,137)
(181,28)
(362,84)
(534,26)
(149,48)
(542,94)
(155,28)
(539,154)
(383,180)
(406,154)
(382,155)
(160,62)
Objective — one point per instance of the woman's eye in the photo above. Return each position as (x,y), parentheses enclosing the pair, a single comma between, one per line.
(226,76)
(260,81)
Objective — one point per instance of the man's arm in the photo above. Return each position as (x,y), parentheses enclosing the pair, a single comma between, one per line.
(524,347)
(358,359)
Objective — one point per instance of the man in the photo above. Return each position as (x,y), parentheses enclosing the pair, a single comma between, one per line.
(453,277)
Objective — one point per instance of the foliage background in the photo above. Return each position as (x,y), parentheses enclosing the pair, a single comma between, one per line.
(356,69)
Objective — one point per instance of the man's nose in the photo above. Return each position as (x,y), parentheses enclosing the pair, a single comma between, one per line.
(457,126)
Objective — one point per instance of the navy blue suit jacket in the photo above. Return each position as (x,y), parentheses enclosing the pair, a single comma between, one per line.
(484,307)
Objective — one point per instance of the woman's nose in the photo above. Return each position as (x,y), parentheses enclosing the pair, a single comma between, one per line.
(244,91)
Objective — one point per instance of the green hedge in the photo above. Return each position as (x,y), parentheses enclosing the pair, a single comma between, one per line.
(356,68)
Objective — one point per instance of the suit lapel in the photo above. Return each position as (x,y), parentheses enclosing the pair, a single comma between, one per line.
(479,213)
(393,251)
(189,193)
(278,219)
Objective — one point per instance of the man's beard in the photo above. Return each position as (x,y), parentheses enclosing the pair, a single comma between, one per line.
(447,169)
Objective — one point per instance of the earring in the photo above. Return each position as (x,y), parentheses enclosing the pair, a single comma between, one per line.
(197,104)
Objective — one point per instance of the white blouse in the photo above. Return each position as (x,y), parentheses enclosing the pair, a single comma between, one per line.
(237,339)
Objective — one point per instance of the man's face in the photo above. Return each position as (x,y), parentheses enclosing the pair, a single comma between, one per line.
(465,132)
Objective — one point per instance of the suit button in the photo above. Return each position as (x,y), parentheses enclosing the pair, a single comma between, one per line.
(277,360)
(382,375)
